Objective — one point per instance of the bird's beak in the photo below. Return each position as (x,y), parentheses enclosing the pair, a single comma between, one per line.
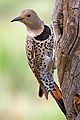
(16,19)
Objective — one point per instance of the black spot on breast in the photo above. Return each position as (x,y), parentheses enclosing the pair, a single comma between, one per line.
(44,35)
(41,44)
(41,55)
(39,50)
(50,84)
(45,66)
(46,83)
(43,50)
(35,51)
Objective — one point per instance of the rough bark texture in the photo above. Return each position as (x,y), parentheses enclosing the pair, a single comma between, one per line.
(66,28)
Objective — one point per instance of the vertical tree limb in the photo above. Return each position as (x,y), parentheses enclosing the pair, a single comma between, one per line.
(78,116)
(66,29)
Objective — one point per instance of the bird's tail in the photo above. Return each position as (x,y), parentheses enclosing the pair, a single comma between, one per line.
(57,95)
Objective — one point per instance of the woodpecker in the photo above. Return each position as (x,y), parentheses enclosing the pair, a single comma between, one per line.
(40,54)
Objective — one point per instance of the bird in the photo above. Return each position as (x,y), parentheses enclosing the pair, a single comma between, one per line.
(40,54)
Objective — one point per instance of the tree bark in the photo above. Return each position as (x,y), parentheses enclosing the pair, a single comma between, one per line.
(66,29)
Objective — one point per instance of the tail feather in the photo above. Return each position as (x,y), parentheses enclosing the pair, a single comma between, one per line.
(56,93)
(40,92)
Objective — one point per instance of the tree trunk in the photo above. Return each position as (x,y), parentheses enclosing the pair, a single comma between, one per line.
(66,29)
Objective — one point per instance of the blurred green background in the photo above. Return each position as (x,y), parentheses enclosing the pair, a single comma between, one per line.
(18,87)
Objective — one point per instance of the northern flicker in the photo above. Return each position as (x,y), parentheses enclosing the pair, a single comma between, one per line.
(40,54)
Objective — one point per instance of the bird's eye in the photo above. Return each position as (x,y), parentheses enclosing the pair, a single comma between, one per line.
(28,15)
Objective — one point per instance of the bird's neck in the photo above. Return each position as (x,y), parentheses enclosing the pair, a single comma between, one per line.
(35,31)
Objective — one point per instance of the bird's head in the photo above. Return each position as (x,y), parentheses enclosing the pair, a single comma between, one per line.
(29,18)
